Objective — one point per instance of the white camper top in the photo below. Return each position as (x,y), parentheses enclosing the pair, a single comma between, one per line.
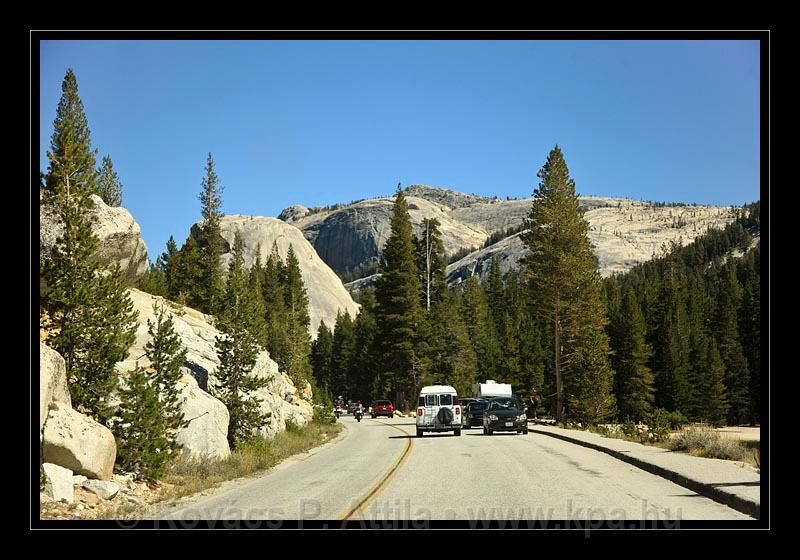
(436,389)
(491,389)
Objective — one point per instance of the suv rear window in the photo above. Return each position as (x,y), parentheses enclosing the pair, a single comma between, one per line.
(445,400)
(383,402)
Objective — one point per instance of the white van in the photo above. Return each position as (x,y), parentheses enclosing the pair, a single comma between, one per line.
(438,410)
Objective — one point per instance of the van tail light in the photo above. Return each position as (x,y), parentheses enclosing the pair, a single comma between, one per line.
(458,410)
(419,412)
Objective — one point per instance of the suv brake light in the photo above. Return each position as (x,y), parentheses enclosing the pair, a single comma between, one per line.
(458,410)
(419,412)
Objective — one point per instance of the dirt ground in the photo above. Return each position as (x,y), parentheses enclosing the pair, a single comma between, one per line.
(742,433)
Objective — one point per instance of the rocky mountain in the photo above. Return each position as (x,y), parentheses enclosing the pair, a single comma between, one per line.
(326,293)
(119,234)
(625,232)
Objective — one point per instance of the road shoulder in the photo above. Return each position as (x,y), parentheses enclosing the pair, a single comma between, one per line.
(722,481)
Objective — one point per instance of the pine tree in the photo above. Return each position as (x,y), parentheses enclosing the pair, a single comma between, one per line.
(167,256)
(298,366)
(109,186)
(480,326)
(634,381)
(139,427)
(342,354)
(495,294)
(71,156)
(211,286)
(154,280)
(363,372)
(698,310)
(429,256)
(275,309)
(453,360)
(258,321)
(321,354)
(86,307)
(671,356)
(150,413)
(737,376)
(565,289)
(715,397)
(398,311)
(237,349)
(185,274)
(750,332)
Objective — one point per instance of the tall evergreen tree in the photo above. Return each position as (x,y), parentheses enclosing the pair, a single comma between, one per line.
(237,349)
(495,294)
(321,354)
(715,409)
(398,311)
(737,376)
(85,308)
(296,300)
(671,356)
(185,274)
(453,360)
(342,355)
(750,331)
(565,289)
(430,259)
(211,285)
(150,412)
(108,183)
(258,321)
(275,309)
(480,326)
(634,381)
(72,160)
(363,369)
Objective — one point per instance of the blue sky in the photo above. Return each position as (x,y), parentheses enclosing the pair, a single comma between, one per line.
(319,122)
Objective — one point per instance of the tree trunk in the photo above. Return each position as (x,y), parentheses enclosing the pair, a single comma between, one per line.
(559,388)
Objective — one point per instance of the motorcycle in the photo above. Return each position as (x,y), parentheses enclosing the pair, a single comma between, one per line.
(359,414)
(338,412)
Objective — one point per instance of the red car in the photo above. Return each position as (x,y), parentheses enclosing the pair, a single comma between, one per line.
(382,408)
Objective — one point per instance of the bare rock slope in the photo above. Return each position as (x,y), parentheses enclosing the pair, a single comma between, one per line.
(326,294)
(624,232)
(119,235)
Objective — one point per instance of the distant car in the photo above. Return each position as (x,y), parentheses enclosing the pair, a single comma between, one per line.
(383,408)
(473,412)
(464,401)
(505,414)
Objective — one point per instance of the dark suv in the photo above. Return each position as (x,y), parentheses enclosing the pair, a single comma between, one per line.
(505,414)
(473,412)
(383,408)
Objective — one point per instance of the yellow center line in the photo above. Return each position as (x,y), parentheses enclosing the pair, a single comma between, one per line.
(364,500)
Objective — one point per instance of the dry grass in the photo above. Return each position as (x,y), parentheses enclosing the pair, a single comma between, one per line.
(250,457)
(706,442)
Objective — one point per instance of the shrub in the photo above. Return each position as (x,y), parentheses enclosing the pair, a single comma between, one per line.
(677,420)
(292,428)
(629,429)
(658,422)
(706,442)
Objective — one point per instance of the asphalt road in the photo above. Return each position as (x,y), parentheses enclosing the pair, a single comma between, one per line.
(379,471)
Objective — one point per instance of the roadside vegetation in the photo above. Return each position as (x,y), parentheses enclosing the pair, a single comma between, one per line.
(251,456)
